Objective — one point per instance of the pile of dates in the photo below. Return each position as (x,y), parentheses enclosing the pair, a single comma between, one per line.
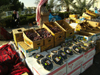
(54,29)
(44,33)
(33,36)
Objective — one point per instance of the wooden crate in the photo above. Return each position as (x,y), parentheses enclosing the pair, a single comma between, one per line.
(47,47)
(69,31)
(60,36)
(73,16)
(18,35)
(47,41)
(94,23)
(32,44)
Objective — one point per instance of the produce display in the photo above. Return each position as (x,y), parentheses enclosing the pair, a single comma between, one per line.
(83,47)
(59,52)
(66,44)
(46,63)
(38,56)
(68,51)
(49,56)
(44,33)
(54,52)
(57,59)
(54,34)
(33,36)
(62,54)
(77,49)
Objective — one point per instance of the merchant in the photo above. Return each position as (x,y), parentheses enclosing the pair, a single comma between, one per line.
(42,14)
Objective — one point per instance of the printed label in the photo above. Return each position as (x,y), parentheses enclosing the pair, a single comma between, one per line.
(28,42)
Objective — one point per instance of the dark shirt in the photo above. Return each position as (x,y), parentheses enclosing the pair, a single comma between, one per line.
(14,16)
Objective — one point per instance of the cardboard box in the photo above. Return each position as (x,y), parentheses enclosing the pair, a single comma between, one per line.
(78,21)
(96,33)
(69,31)
(80,27)
(87,16)
(39,70)
(75,71)
(73,16)
(26,50)
(86,65)
(74,25)
(47,47)
(58,37)
(29,42)
(47,41)
(18,35)
(91,13)
(94,23)
(89,26)
(86,26)
(85,37)
(89,54)
(74,63)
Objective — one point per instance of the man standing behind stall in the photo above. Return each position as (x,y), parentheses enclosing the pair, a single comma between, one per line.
(15,19)
(42,14)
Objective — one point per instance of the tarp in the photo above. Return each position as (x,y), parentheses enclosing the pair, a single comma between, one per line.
(54,18)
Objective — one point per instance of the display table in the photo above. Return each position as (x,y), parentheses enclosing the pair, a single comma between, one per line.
(72,66)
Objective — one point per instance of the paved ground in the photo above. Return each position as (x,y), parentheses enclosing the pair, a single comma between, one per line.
(93,70)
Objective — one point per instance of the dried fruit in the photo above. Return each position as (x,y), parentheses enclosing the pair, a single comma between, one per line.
(54,29)
(44,33)
(33,36)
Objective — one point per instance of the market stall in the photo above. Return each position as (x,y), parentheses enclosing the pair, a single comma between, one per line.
(58,48)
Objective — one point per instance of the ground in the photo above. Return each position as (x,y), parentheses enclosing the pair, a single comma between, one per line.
(93,70)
